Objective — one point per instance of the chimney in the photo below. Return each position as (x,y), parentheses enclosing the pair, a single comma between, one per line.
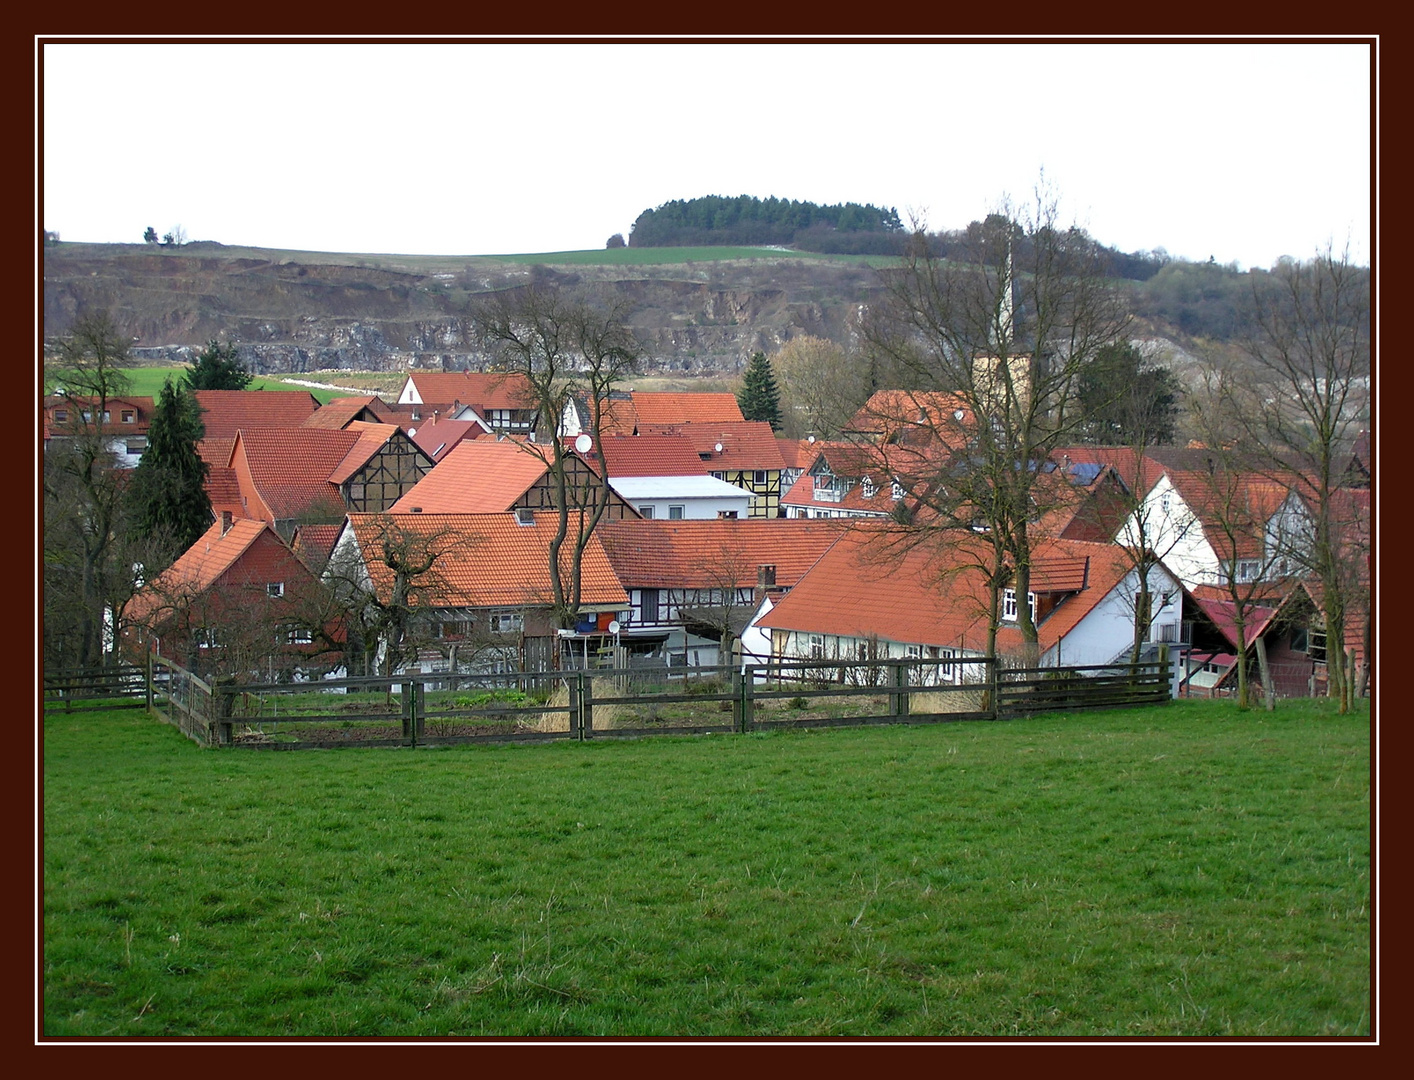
(436,413)
(225,522)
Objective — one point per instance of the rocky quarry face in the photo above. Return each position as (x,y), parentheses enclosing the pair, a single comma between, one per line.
(293,317)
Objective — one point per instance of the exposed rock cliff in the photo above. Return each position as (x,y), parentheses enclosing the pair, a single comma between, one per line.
(298,312)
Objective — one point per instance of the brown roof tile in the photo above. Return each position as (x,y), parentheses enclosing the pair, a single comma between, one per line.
(690,554)
(488,560)
(224,412)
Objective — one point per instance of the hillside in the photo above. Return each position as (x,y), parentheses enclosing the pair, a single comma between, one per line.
(310,311)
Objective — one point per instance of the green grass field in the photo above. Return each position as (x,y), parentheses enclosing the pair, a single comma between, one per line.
(1190,870)
(147,382)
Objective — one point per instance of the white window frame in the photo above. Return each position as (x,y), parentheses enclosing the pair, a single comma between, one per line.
(1248,571)
(646,512)
(1009,609)
(507,622)
(274,589)
(677,511)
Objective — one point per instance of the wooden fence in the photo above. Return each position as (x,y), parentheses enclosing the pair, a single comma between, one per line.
(444,709)
(97,688)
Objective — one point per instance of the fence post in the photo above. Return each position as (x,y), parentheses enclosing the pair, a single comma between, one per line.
(1166,666)
(572,689)
(147,675)
(738,700)
(223,701)
(748,698)
(416,690)
(898,696)
(994,688)
(586,706)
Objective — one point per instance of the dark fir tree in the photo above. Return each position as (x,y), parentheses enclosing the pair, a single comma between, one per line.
(217,368)
(168,488)
(1123,400)
(759,399)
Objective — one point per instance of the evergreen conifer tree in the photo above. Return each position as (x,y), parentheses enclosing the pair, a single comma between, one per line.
(759,398)
(168,487)
(217,368)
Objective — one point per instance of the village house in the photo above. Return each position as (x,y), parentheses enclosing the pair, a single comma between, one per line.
(292,476)
(485,603)
(866,599)
(690,583)
(484,476)
(237,602)
(502,403)
(121,421)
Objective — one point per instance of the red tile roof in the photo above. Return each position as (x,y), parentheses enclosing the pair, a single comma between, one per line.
(476,477)
(652,455)
(1227,502)
(337,414)
(746,444)
(864,587)
(688,408)
(899,415)
(371,439)
(698,554)
(291,467)
(487,560)
(437,438)
(223,488)
(224,412)
(198,568)
(314,543)
(480,389)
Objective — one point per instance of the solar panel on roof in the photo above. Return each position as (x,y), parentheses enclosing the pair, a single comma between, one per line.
(1084,472)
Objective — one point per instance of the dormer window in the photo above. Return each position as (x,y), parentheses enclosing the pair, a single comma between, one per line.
(61,416)
(867,487)
(896,491)
(129,416)
(1009,605)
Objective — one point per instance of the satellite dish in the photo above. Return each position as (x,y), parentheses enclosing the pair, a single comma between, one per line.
(614,626)
(719,448)
(811,439)
(583,443)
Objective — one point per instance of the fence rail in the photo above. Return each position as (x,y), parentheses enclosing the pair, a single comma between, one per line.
(445,708)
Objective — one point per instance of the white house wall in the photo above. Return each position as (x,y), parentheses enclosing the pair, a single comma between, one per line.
(1175,534)
(1108,629)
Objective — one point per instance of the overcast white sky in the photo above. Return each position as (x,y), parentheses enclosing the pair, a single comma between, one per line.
(1244,152)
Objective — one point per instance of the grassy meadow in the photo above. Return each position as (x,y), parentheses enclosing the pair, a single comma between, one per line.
(1189,870)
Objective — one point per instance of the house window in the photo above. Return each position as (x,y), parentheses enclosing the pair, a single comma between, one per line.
(136,445)
(275,588)
(1165,501)
(675,513)
(1248,570)
(649,604)
(205,637)
(507,623)
(61,416)
(1009,605)
(129,416)
(897,491)
(817,647)
(727,515)
(296,635)
(87,416)
(1316,645)
(759,476)
(947,672)
(718,475)
(867,488)
(647,512)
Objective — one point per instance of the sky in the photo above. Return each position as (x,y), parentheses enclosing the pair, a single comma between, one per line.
(1240,152)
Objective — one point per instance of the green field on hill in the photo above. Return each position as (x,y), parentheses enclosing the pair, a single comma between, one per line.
(1188,870)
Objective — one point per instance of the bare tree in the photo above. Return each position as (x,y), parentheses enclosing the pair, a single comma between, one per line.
(84,490)
(384,573)
(1007,326)
(1307,335)
(822,387)
(570,351)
